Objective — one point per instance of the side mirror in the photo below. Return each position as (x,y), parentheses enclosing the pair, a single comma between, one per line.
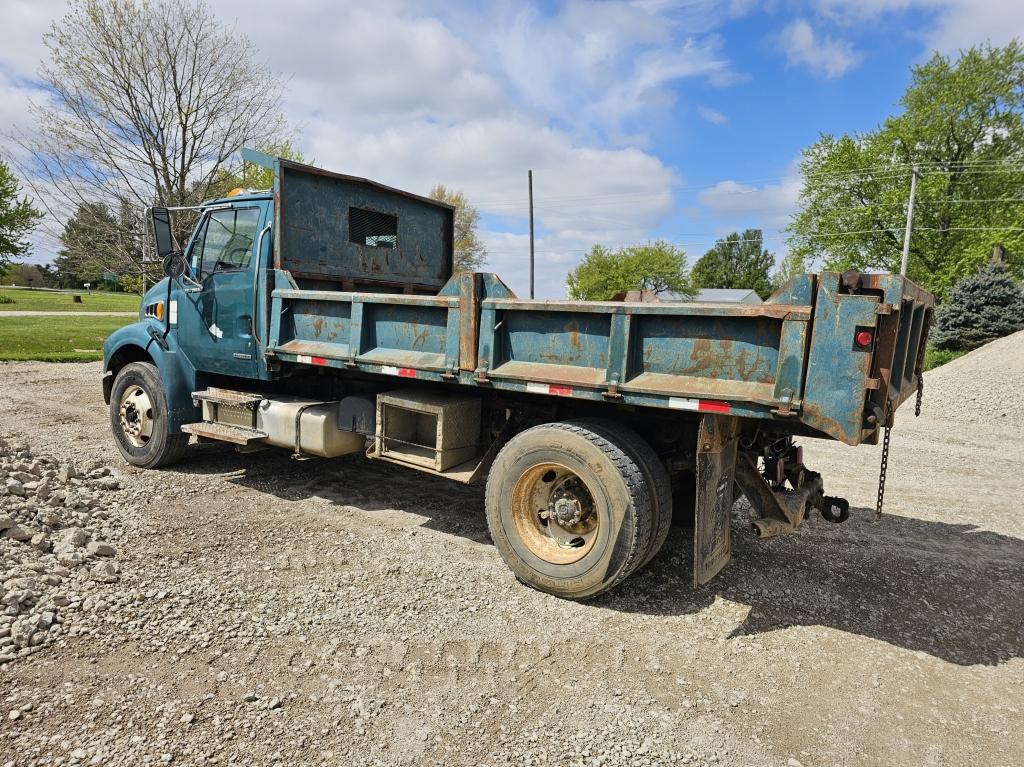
(162,232)
(174,265)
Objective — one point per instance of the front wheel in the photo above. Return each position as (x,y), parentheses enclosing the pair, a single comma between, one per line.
(569,508)
(138,418)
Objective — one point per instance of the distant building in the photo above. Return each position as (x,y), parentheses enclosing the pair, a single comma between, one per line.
(719,295)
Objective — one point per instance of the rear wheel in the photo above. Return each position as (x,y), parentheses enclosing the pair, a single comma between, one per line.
(569,508)
(659,485)
(138,418)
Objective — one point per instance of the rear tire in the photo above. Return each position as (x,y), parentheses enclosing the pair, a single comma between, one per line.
(138,418)
(659,485)
(569,509)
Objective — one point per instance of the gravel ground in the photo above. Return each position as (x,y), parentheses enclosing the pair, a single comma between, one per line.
(258,610)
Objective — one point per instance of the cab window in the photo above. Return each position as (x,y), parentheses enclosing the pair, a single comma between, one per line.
(225,241)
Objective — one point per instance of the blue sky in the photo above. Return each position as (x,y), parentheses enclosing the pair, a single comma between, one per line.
(642,119)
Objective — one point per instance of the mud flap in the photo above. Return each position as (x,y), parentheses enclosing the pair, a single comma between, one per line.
(716,473)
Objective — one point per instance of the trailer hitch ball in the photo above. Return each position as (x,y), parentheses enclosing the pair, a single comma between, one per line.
(835,510)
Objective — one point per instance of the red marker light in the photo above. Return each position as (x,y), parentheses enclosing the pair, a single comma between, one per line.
(863,338)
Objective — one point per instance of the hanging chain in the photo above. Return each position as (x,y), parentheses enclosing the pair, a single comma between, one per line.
(919,367)
(881,473)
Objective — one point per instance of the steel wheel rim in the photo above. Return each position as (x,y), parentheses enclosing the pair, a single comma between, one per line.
(555,514)
(136,416)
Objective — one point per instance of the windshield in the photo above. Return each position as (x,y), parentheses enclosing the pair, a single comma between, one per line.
(225,241)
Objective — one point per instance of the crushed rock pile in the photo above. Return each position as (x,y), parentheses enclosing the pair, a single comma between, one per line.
(55,528)
(986,385)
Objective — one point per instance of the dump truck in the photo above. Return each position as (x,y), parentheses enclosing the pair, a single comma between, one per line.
(323,318)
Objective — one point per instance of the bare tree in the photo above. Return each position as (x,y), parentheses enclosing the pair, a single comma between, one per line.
(151,101)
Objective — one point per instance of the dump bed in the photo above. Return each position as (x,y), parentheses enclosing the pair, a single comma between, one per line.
(794,359)
(362,281)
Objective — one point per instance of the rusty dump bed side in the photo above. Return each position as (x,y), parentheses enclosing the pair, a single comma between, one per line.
(793,360)
(348,233)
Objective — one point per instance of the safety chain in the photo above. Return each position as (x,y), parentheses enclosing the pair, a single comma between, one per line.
(919,367)
(881,472)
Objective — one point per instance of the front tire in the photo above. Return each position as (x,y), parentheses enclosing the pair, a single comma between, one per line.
(569,508)
(138,418)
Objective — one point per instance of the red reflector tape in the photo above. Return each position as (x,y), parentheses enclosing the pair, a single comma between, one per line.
(713,406)
(700,405)
(391,370)
(305,358)
(543,388)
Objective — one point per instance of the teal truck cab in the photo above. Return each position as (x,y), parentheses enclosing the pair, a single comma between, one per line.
(322,317)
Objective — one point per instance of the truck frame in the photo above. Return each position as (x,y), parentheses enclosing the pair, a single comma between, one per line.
(323,317)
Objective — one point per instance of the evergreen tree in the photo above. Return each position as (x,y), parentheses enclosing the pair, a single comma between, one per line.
(981,308)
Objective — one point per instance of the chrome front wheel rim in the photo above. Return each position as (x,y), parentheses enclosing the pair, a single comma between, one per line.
(136,416)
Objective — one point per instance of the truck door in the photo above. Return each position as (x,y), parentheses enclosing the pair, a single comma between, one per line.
(215,322)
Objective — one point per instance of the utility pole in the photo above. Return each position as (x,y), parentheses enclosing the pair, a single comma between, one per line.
(529,177)
(910,222)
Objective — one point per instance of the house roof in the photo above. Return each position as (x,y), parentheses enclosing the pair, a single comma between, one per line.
(718,295)
(731,295)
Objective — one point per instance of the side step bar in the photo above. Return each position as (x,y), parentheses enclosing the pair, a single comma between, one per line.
(227,397)
(222,432)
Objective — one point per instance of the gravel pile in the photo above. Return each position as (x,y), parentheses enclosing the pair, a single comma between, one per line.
(54,529)
(985,386)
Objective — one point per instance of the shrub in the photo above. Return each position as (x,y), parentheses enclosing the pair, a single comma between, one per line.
(980,308)
(934,358)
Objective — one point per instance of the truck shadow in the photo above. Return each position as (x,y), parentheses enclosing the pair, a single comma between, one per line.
(946,589)
(950,590)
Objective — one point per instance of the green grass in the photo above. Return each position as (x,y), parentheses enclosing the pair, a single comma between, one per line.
(47,301)
(52,339)
(934,358)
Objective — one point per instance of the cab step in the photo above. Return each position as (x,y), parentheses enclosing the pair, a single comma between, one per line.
(222,432)
(227,397)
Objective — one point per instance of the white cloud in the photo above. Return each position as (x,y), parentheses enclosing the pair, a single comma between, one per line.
(824,56)
(711,115)
(963,23)
(768,206)
(953,24)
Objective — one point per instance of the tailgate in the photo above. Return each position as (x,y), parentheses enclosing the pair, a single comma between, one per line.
(853,388)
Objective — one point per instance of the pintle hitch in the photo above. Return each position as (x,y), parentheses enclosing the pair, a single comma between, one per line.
(784,490)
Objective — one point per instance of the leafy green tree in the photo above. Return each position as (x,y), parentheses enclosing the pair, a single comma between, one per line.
(17,219)
(792,265)
(980,308)
(962,123)
(470,252)
(656,266)
(738,261)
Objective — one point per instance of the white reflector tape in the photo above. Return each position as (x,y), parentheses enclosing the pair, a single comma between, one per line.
(682,403)
(702,405)
(305,358)
(174,313)
(543,388)
(390,370)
